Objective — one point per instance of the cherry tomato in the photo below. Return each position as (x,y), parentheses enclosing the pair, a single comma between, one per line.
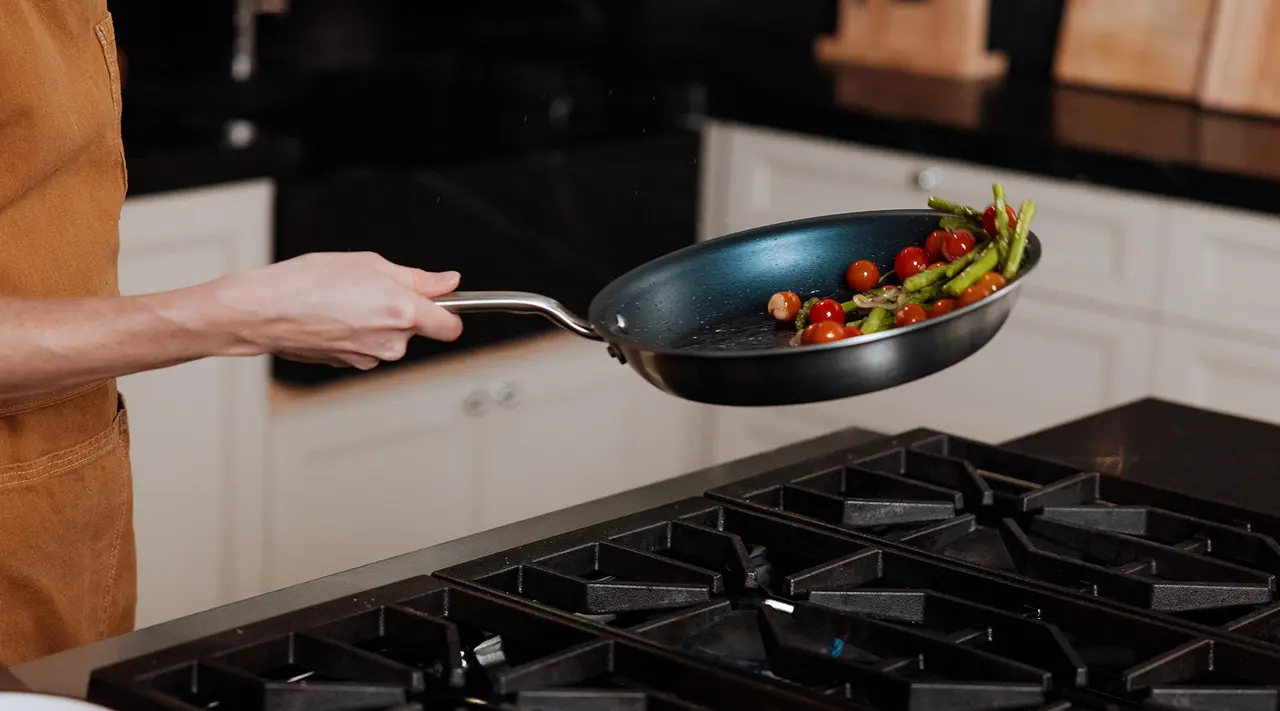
(942,307)
(936,264)
(784,306)
(972,295)
(909,314)
(909,262)
(989,218)
(862,275)
(957,245)
(822,332)
(851,332)
(933,244)
(827,310)
(991,282)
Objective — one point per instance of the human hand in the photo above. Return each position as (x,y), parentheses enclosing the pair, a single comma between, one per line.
(340,308)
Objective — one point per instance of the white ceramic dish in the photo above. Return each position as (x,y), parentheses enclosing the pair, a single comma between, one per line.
(24,701)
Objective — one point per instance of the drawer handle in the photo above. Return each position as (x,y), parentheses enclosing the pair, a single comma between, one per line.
(505,394)
(475,404)
(929,178)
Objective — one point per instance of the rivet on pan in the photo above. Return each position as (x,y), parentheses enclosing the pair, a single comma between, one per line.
(622,323)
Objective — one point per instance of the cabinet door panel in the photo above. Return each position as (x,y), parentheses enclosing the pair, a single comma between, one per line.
(584,427)
(197,428)
(1222,374)
(368,477)
(1221,268)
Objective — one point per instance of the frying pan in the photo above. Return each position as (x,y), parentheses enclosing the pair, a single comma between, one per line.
(694,322)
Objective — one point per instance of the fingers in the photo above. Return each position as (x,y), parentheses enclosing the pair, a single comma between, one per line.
(434,322)
(359,361)
(431,284)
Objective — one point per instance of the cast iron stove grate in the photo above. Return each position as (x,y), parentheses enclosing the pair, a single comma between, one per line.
(864,624)
(1091,533)
(422,645)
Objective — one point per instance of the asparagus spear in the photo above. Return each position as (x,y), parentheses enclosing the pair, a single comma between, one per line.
(958,265)
(1003,237)
(964,211)
(925,278)
(987,261)
(802,316)
(1026,213)
(878,320)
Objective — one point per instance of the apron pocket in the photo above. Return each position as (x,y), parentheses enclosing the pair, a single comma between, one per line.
(67,562)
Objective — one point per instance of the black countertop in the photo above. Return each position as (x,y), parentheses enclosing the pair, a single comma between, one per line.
(461,106)
(1197,452)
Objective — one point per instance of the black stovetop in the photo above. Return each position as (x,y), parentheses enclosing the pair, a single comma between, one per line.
(922,572)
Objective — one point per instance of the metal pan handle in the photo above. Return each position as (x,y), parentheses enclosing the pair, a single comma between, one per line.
(517,302)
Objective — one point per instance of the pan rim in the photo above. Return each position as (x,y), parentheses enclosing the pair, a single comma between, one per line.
(612,337)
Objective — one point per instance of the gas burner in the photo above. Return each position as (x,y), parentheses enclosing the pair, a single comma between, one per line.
(422,645)
(1042,522)
(922,573)
(878,626)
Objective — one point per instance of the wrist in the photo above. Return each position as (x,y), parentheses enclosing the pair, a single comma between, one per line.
(210,321)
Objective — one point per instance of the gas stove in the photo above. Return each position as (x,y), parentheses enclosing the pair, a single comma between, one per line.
(924,572)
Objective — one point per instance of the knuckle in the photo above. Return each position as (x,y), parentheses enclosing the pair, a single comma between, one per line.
(394,350)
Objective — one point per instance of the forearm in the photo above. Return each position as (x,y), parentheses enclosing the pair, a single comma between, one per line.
(52,345)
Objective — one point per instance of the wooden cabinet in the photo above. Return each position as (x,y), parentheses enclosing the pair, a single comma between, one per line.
(371,469)
(199,428)
(1130,299)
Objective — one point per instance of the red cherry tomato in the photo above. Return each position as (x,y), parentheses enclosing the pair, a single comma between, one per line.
(942,307)
(909,314)
(936,265)
(862,275)
(989,218)
(822,332)
(957,245)
(784,306)
(909,262)
(972,295)
(933,245)
(851,332)
(827,310)
(991,282)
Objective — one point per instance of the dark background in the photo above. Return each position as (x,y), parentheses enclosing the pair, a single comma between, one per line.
(193,38)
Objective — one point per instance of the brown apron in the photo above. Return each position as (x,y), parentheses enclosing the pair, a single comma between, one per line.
(67,564)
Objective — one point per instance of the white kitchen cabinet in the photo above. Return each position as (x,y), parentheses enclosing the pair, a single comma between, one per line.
(578,426)
(1219,373)
(365,473)
(1221,266)
(1066,350)
(389,464)
(198,429)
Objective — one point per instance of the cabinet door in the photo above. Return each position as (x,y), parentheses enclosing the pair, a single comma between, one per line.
(1048,365)
(369,474)
(755,177)
(573,425)
(198,428)
(1221,268)
(1227,375)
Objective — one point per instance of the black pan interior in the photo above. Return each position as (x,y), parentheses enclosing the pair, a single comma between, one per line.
(712,296)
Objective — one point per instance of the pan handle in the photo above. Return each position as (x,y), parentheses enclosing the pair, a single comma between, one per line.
(517,302)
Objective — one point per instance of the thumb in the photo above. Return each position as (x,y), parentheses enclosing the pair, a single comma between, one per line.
(431,284)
